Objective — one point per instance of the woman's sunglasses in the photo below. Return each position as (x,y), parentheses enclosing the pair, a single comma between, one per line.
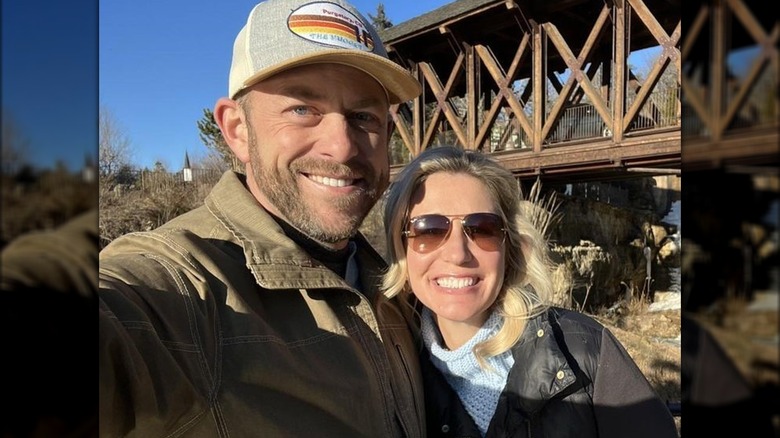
(429,231)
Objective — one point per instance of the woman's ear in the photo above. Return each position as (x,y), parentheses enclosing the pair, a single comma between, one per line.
(232,122)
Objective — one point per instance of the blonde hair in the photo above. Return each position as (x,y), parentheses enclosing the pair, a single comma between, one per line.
(527,287)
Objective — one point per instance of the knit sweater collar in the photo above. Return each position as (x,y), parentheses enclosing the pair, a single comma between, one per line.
(435,343)
(477,388)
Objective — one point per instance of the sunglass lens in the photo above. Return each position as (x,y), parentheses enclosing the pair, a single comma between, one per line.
(485,229)
(428,232)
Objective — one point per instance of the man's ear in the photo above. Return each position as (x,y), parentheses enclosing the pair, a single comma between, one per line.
(233,124)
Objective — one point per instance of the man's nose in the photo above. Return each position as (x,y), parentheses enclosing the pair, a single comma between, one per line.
(337,141)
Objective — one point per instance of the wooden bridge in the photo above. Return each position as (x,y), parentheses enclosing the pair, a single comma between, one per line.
(570,88)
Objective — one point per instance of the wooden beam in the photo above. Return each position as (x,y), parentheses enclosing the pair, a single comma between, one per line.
(575,65)
(419,113)
(403,130)
(649,20)
(622,17)
(472,93)
(504,81)
(538,81)
(718,63)
(441,94)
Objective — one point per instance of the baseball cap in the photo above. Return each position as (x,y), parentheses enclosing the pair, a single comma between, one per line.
(282,34)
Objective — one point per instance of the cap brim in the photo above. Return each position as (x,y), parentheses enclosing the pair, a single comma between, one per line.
(397,82)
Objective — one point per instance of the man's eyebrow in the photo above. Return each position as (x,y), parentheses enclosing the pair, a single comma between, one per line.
(304,92)
(368,102)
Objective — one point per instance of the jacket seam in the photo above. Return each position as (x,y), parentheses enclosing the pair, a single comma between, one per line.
(182,289)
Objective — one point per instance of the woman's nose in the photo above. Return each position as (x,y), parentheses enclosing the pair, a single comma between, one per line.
(456,248)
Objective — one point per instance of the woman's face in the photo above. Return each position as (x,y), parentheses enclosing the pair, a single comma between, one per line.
(460,279)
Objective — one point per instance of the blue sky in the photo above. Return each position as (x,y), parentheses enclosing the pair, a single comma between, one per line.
(49,76)
(162,62)
(156,65)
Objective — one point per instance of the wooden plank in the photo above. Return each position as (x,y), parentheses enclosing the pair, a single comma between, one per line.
(538,80)
(504,81)
(621,60)
(490,118)
(753,145)
(666,150)
(441,94)
(718,65)
(673,48)
(418,112)
(403,130)
(575,65)
(472,91)
(649,20)
(644,91)
(749,82)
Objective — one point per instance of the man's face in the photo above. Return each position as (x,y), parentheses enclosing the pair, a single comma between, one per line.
(318,137)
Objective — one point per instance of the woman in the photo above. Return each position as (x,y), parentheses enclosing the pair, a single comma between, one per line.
(498,361)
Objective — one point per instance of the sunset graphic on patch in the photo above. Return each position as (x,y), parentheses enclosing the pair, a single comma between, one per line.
(332,26)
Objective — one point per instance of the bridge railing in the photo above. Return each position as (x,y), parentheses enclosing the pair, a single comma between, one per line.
(582,122)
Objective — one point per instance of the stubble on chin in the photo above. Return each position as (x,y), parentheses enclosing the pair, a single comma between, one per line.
(325,220)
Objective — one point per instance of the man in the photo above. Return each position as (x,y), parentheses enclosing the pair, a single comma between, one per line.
(257,314)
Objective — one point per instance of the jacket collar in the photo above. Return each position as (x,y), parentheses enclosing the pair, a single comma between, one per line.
(275,260)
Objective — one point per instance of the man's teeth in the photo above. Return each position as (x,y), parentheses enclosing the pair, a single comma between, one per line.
(333,182)
(455,283)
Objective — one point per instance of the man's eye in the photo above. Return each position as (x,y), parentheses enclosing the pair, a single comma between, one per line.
(364,117)
(301,110)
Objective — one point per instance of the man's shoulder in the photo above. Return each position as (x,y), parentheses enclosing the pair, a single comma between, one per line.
(178,236)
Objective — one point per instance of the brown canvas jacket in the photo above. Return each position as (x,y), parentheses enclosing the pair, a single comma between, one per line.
(217,324)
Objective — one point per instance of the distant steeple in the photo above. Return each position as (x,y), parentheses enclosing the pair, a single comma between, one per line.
(186,170)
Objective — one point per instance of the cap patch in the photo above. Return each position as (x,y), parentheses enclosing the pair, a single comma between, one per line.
(330,24)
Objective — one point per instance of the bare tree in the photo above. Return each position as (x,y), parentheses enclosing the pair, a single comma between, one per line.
(114,149)
(15,146)
(211,136)
(211,161)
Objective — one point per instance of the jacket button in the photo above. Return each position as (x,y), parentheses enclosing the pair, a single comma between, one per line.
(559,375)
(540,333)
(445,428)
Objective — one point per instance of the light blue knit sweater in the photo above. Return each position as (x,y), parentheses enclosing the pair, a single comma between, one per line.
(478,389)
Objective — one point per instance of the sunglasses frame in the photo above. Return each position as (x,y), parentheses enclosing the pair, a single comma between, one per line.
(464,228)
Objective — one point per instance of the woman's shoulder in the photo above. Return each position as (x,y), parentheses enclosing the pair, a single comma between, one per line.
(573,320)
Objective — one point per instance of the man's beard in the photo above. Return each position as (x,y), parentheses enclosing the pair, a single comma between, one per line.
(280,186)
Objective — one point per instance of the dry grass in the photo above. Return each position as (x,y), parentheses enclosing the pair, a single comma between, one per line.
(142,209)
(541,209)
